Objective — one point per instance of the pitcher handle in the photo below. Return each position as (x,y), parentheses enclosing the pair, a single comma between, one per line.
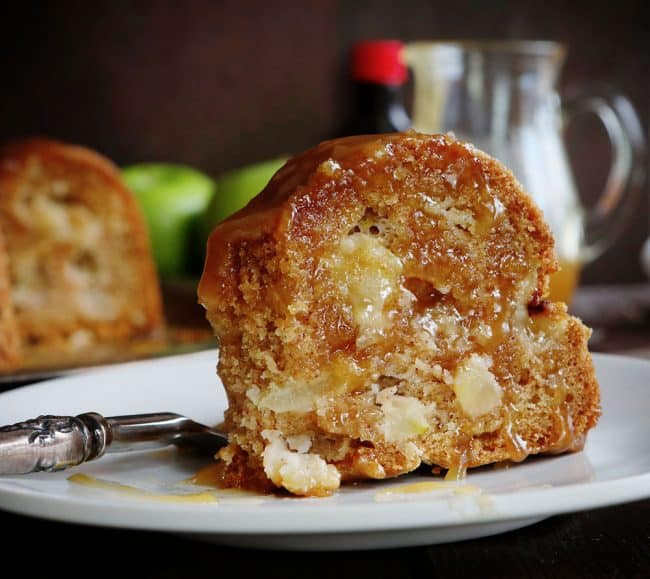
(606,218)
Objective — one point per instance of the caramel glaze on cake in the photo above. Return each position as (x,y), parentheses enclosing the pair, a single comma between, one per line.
(75,263)
(381,305)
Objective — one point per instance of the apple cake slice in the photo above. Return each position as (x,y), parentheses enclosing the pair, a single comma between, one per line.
(79,270)
(381,305)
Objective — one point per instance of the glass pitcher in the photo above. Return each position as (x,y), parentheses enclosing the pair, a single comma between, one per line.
(501,96)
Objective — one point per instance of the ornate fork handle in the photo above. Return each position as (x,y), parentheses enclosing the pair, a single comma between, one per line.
(50,443)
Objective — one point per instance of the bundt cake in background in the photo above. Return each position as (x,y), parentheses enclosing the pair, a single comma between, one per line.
(75,266)
(9,338)
(381,305)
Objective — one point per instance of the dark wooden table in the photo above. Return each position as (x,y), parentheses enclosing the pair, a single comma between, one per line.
(610,542)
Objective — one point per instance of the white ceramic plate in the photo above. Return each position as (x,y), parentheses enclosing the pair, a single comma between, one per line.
(613,468)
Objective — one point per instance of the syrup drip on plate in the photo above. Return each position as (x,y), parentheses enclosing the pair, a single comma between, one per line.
(208,476)
(134,492)
(458,468)
(424,487)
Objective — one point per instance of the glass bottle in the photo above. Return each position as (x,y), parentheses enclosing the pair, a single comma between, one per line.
(379,74)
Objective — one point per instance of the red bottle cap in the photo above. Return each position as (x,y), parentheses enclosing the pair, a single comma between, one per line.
(378,61)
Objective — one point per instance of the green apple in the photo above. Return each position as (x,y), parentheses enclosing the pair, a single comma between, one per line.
(172,197)
(235,189)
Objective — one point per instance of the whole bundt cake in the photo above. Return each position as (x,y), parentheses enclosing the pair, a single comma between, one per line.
(381,305)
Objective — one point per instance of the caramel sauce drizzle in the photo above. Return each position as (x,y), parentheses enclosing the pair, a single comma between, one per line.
(457,471)
(426,487)
(458,467)
(567,439)
(516,444)
(134,492)
(208,476)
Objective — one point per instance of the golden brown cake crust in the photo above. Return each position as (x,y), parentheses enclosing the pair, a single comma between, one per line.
(63,210)
(381,304)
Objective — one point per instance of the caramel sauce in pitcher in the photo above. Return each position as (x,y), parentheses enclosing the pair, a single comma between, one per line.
(563,282)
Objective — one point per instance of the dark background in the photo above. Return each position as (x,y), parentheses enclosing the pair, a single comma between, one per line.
(220,84)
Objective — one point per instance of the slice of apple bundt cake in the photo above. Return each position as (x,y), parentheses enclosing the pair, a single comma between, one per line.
(76,250)
(381,305)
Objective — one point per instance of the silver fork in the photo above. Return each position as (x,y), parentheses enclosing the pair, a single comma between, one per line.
(52,443)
